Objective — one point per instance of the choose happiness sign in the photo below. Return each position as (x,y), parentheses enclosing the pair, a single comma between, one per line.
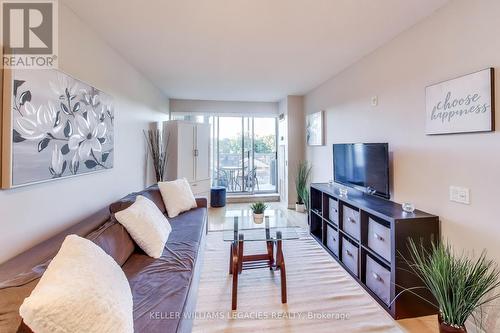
(461,105)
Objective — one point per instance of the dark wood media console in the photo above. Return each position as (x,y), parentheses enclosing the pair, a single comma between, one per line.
(368,236)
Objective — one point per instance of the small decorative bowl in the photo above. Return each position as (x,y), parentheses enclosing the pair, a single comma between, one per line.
(408,207)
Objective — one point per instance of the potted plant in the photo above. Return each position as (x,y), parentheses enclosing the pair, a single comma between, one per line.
(301,184)
(460,284)
(258,209)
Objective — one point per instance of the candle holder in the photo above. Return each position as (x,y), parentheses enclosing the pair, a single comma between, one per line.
(408,207)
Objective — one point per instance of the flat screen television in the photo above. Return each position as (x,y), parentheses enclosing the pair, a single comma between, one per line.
(364,166)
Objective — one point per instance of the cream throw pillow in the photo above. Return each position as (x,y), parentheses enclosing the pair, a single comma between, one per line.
(82,290)
(146,224)
(177,196)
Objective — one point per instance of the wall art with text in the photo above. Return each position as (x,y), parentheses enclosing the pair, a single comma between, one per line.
(461,105)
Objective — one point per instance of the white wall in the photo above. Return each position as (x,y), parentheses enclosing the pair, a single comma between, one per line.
(460,38)
(224,107)
(33,213)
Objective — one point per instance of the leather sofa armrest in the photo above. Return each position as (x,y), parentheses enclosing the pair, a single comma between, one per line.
(23,328)
(201,202)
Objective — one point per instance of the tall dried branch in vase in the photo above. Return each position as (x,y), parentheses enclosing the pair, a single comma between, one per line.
(157,147)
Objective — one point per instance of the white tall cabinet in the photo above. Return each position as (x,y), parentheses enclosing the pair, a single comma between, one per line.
(189,154)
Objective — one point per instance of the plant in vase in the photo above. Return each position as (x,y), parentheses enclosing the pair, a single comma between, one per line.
(301,186)
(157,143)
(258,209)
(460,284)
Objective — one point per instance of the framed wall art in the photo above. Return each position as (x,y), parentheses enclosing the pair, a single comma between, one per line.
(461,105)
(53,126)
(314,129)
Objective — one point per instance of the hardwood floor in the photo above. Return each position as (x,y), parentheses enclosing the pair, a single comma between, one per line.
(216,222)
(427,324)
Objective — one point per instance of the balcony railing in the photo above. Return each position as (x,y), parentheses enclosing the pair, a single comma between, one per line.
(241,176)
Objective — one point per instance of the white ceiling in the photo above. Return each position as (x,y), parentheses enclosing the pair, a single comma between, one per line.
(247,49)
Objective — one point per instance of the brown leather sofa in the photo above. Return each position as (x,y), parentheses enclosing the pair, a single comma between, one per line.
(164,290)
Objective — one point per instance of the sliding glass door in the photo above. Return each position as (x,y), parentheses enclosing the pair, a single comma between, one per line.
(265,154)
(245,154)
(246,179)
(229,153)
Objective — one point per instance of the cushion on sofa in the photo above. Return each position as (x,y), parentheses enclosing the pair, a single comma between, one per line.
(19,275)
(177,196)
(82,290)
(147,226)
(152,193)
(161,286)
(114,239)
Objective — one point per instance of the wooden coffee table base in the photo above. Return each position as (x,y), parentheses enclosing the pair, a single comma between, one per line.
(238,262)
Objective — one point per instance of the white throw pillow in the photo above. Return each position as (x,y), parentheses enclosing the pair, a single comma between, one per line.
(177,196)
(82,290)
(146,224)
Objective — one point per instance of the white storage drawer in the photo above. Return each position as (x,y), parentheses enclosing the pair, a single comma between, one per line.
(350,221)
(332,240)
(350,256)
(200,187)
(379,239)
(378,279)
(333,214)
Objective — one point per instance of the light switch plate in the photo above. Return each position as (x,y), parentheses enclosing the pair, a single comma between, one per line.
(374,101)
(460,195)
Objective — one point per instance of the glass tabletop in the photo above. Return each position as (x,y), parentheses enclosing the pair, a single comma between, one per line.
(240,222)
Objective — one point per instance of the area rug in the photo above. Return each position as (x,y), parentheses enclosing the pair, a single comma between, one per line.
(322,297)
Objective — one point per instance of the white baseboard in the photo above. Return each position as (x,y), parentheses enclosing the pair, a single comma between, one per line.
(272,197)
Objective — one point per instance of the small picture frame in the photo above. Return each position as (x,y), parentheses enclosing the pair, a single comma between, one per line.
(314,129)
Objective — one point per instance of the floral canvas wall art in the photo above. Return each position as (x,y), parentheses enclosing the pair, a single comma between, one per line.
(55,126)
(314,129)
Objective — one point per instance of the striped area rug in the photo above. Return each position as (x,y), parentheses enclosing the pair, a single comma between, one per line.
(322,297)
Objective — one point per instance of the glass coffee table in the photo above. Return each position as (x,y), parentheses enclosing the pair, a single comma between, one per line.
(239,227)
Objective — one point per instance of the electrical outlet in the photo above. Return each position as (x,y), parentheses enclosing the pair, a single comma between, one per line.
(460,195)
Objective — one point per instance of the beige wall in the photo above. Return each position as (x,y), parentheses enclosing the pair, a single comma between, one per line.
(33,213)
(458,39)
(293,108)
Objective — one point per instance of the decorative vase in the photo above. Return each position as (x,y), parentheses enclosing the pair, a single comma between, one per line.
(408,207)
(445,328)
(300,207)
(258,218)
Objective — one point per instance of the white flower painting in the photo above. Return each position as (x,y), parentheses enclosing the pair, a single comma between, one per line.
(314,129)
(60,127)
